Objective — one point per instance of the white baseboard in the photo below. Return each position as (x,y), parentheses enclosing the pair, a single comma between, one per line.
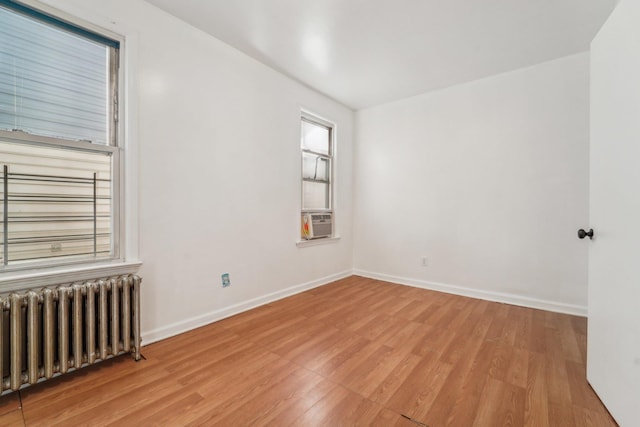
(161,333)
(558,307)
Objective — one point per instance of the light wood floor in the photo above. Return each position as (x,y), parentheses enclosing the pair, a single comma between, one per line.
(354,352)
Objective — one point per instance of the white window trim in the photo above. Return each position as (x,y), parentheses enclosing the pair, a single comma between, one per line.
(317,242)
(128,261)
(314,118)
(335,238)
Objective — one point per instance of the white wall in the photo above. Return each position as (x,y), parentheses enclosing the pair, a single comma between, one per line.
(219,165)
(488,179)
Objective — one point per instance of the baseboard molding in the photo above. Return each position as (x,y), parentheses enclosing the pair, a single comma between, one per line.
(513,299)
(164,332)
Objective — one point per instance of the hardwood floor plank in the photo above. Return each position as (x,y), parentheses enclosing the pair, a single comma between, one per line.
(12,419)
(324,408)
(98,400)
(9,403)
(581,392)
(537,338)
(413,309)
(392,305)
(417,393)
(374,371)
(501,405)
(341,407)
(499,321)
(329,363)
(408,336)
(467,400)
(259,406)
(588,418)
(517,371)
(287,411)
(536,400)
(390,385)
(199,369)
(224,398)
(569,342)
(65,392)
(107,408)
(435,339)
(387,418)
(151,415)
(446,401)
(524,322)
(309,334)
(500,362)
(354,352)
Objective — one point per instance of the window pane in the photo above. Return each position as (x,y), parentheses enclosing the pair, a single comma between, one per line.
(53,211)
(315,138)
(315,167)
(315,195)
(52,83)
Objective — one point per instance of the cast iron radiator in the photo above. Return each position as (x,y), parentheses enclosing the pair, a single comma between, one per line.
(48,332)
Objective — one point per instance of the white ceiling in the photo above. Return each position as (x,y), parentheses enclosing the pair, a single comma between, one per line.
(368,52)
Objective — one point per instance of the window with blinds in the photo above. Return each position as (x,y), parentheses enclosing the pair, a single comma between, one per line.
(59,165)
(317,156)
(316,144)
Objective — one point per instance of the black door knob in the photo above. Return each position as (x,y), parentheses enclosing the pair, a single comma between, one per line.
(582,234)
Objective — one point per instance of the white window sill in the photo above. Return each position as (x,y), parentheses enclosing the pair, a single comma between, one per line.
(21,280)
(317,242)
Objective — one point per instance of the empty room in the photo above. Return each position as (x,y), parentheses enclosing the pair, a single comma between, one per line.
(330,213)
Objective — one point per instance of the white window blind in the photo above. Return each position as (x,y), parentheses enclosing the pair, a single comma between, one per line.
(52,82)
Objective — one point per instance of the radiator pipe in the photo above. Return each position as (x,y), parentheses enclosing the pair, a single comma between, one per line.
(49,332)
(77,326)
(16,341)
(126,313)
(137,337)
(115,316)
(103,316)
(33,337)
(91,323)
(5,220)
(63,329)
(1,344)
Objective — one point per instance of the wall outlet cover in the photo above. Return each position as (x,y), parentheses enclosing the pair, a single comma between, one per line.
(226,280)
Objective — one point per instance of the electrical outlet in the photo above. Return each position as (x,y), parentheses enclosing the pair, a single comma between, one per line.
(425,261)
(226,280)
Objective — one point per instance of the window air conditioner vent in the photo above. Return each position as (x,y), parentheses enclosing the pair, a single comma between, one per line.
(317,225)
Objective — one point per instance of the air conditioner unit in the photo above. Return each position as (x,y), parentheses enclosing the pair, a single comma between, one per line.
(317,225)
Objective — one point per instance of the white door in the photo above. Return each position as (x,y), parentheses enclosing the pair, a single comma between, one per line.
(613,360)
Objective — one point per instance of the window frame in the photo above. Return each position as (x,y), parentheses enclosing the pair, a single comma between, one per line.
(117,136)
(315,120)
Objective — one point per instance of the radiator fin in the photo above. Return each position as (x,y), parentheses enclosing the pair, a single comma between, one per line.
(56,330)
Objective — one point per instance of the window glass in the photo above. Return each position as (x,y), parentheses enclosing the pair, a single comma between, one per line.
(315,167)
(316,195)
(52,82)
(59,203)
(316,146)
(59,161)
(315,137)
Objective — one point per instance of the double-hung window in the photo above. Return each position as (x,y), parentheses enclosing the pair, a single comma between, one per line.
(59,155)
(317,174)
